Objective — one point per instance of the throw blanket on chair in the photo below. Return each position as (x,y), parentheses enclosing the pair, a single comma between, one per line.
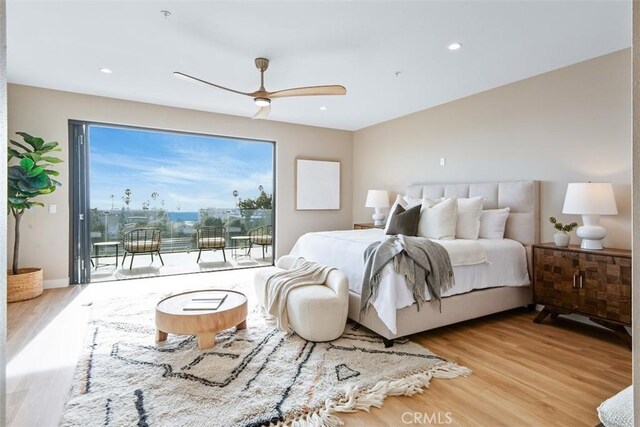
(278,286)
(422,262)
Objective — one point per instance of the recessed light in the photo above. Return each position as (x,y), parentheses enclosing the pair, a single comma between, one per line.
(323,108)
(455,46)
(106,70)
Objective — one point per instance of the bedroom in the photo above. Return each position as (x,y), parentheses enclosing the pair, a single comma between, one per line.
(537,92)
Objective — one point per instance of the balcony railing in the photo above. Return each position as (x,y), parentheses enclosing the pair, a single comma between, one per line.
(178,228)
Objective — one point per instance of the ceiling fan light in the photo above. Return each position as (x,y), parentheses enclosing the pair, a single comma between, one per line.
(262,102)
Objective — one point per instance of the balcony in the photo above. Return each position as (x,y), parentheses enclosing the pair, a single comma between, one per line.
(179,249)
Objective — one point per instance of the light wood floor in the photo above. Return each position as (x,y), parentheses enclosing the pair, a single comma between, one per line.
(523,373)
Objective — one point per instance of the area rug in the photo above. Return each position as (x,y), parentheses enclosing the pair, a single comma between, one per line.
(253,377)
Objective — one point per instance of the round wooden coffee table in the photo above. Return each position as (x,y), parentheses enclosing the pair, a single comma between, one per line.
(171,318)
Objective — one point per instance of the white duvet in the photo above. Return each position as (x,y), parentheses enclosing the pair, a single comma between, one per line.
(477,264)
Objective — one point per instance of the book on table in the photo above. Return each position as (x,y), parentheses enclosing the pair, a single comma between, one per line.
(204,304)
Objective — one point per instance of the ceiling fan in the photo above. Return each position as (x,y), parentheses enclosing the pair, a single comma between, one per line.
(262,97)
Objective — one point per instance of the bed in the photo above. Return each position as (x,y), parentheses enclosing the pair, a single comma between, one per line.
(501,283)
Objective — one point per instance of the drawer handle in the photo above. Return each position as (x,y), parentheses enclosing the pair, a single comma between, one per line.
(581,281)
(574,281)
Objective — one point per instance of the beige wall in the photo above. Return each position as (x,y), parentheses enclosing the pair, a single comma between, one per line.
(46,113)
(568,125)
(572,124)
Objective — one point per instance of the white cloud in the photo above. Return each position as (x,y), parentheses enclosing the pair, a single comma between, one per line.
(188,176)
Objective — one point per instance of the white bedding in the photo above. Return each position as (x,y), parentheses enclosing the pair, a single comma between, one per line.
(499,263)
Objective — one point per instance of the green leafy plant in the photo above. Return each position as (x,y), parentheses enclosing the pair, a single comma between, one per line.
(562,227)
(248,206)
(28,177)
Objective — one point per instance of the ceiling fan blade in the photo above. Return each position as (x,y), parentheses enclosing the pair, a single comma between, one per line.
(263,112)
(184,76)
(309,91)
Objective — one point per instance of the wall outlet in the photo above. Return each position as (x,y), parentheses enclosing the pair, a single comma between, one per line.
(443,161)
(53,209)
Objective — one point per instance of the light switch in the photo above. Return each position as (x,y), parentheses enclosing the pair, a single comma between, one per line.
(443,161)
(53,209)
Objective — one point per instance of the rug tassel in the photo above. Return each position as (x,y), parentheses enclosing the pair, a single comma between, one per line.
(356,399)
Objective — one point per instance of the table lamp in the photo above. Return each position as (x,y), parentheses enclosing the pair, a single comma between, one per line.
(590,199)
(377,199)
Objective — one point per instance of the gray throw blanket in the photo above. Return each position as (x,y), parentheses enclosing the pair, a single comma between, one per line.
(278,286)
(424,264)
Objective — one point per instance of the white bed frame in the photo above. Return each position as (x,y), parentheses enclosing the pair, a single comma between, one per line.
(523,198)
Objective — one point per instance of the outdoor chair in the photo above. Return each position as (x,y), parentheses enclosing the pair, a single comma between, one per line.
(142,241)
(260,236)
(212,238)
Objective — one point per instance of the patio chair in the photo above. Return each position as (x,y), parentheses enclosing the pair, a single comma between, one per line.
(211,238)
(260,236)
(142,241)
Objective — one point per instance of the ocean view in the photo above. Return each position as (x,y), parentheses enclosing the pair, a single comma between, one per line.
(183,216)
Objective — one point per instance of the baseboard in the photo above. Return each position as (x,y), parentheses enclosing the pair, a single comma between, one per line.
(56,283)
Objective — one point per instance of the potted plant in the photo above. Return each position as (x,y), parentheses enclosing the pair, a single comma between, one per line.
(29,175)
(561,237)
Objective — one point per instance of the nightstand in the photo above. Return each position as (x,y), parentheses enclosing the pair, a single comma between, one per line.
(596,284)
(364,226)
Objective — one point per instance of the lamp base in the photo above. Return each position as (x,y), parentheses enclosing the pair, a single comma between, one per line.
(378,217)
(591,245)
(591,233)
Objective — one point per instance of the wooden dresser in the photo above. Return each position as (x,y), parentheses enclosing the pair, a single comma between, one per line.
(364,226)
(596,284)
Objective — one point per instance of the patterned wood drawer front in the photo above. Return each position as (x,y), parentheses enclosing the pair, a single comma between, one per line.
(364,226)
(596,285)
(555,274)
(606,287)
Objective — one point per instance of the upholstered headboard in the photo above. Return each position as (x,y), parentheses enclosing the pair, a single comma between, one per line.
(523,197)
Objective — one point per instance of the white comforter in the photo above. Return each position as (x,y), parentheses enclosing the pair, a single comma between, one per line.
(477,264)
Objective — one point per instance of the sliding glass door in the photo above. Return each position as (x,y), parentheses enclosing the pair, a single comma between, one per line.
(151,202)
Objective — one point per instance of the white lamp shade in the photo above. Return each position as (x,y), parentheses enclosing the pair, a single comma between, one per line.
(590,198)
(377,199)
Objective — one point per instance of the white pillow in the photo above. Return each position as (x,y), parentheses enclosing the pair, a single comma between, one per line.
(406,202)
(412,201)
(493,223)
(469,210)
(438,218)
(618,410)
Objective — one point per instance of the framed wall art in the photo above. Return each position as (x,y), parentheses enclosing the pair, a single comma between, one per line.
(317,185)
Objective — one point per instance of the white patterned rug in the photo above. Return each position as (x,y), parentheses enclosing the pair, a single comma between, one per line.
(252,377)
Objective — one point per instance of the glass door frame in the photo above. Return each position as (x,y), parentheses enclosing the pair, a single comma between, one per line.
(80,253)
(79,195)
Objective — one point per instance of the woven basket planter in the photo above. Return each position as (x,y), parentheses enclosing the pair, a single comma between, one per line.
(25,285)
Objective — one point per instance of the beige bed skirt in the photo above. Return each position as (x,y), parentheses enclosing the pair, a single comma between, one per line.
(455,309)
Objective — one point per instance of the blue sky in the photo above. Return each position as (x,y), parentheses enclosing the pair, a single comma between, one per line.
(188,172)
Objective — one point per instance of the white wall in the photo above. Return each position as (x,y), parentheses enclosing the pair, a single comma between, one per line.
(45,113)
(3,209)
(568,125)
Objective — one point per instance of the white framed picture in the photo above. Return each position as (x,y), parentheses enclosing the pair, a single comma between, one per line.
(317,185)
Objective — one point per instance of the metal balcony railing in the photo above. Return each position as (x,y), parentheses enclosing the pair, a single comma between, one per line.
(177,235)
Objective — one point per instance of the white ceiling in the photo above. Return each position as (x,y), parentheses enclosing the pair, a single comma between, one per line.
(62,44)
